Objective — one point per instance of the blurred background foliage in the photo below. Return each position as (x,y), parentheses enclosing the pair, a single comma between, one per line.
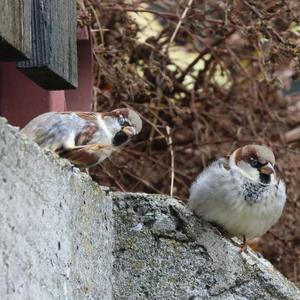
(206,77)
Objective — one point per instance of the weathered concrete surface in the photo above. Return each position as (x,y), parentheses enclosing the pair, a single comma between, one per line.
(56,240)
(55,226)
(163,252)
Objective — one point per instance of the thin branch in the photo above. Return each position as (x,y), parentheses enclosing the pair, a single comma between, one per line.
(292,135)
(170,143)
(180,22)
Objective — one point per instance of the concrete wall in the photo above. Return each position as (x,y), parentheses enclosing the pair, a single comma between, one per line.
(162,251)
(55,226)
(57,240)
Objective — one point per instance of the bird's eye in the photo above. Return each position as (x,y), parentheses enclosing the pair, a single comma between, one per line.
(126,123)
(254,162)
(123,122)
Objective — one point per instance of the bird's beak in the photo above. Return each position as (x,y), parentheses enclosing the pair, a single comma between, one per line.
(267,169)
(129,131)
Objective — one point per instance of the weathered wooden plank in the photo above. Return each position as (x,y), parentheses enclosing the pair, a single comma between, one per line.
(15,29)
(53,64)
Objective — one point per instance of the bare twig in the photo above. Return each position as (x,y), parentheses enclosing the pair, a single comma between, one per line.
(292,135)
(170,144)
(180,22)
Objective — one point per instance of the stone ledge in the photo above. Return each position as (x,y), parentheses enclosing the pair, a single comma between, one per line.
(55,226)
(162,251)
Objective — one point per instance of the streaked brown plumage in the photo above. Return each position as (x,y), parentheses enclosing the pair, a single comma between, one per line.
(84,138)
(242,194)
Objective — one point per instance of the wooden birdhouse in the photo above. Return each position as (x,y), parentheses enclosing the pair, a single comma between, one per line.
(45,59)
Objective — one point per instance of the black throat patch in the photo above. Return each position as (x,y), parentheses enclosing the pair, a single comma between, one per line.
(120,138)
(253,191)
(264,178)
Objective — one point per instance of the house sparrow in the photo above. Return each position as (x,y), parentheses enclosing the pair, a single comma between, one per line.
(242,195)
(84,138)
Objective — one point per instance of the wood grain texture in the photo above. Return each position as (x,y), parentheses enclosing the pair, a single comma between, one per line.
(15,29)
(53,64)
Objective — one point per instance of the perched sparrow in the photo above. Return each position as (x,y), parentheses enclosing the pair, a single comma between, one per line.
(84,138)
(242,195)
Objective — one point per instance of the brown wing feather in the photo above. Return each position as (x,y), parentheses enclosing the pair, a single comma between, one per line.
(84,156)
(86,135)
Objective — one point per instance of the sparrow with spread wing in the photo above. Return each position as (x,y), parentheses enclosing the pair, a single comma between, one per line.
(243,194)
(84,138)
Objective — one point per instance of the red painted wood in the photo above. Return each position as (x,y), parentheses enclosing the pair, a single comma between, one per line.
(21,99)
(83,33)
(81,98)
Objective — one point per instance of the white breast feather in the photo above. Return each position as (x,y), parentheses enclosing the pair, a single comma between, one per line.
(216,195)
(69,143)
(103,126)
